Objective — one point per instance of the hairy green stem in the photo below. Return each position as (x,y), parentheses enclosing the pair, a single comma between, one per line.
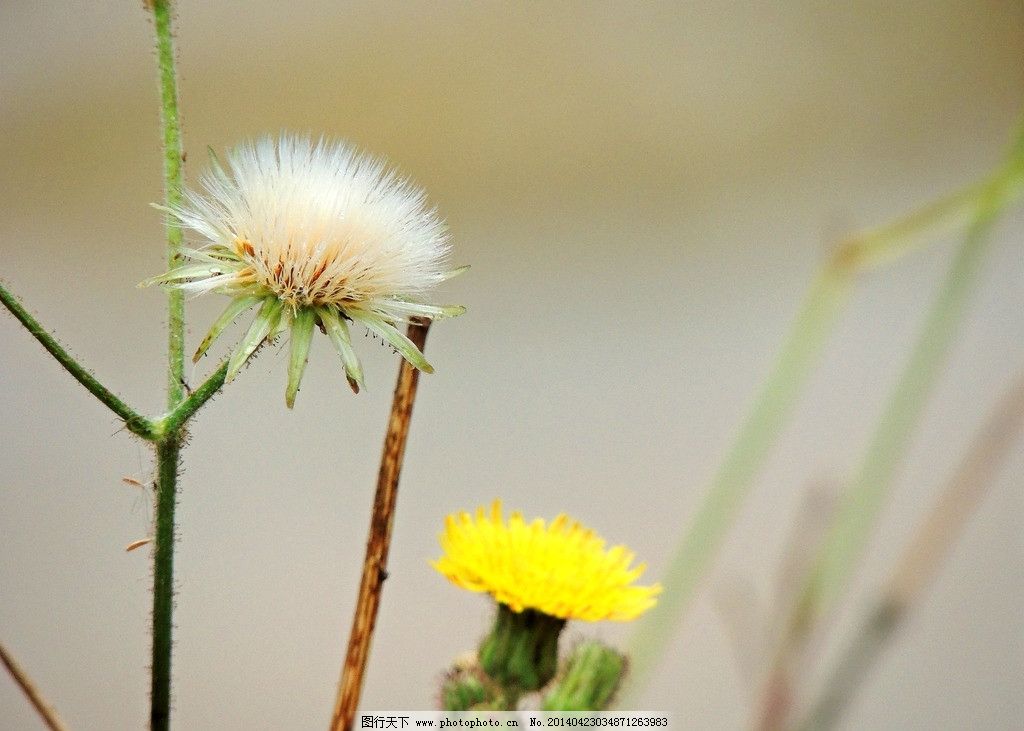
(168,453)
(166,432)
(133,421)
(169,448)
(777,397)
(177,417)
(173,158)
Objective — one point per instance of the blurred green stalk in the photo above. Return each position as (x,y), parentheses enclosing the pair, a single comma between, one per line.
(779,392)
(862,502)
(838,556)
(730,485)
(851,528)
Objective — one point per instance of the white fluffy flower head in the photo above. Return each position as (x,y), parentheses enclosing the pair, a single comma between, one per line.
(316,234)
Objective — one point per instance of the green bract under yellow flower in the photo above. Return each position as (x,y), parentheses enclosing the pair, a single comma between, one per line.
(314,235)
(561,569)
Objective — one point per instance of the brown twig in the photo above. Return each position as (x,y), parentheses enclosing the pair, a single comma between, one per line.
(379,540)
(922,559)
(45,710)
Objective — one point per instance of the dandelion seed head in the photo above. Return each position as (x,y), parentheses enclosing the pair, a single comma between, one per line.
(315,234)
(318,223)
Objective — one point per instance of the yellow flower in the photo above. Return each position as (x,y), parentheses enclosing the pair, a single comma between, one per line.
(562,570)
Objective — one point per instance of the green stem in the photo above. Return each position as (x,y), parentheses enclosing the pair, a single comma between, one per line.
(168,453)
(173,158)
(778,395)
(179,416)
(133,421)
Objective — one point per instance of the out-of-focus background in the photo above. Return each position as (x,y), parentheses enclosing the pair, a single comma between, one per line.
(644,192)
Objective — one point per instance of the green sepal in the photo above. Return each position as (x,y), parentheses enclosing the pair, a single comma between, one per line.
(415,309)
(215,162)
(454,273)
(337,331)
(214,254)
(283,323)
(230,314)
(188,271)
(407,348)
(302,335)
(266,321)
(521,652)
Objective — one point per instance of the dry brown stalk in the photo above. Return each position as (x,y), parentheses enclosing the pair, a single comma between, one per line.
(45,710)
(379,541)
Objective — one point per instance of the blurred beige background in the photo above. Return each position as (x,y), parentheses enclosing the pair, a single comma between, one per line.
(644,192)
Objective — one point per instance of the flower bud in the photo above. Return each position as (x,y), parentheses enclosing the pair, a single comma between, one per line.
(465,688)
(589,681)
